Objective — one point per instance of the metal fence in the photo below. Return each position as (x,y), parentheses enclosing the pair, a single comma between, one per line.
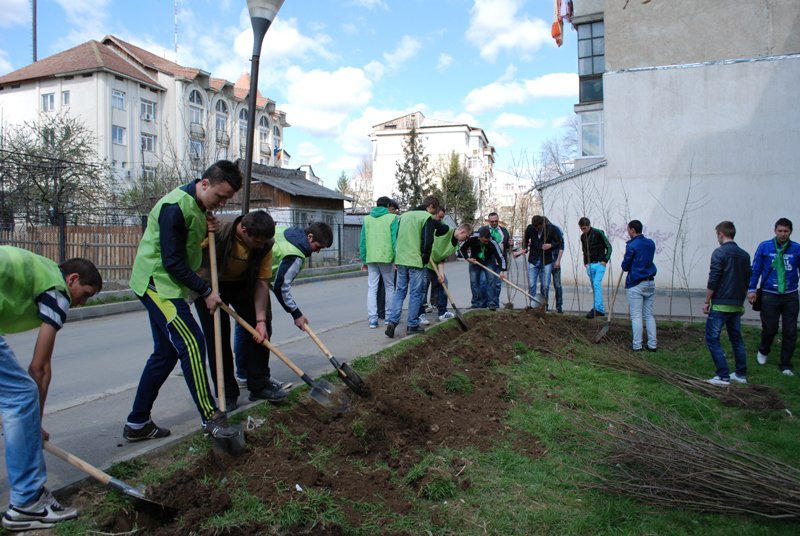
(112,247)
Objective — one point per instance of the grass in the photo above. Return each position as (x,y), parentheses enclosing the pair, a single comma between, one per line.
(556,403)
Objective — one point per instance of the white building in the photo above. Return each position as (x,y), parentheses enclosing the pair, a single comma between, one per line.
(146,111)
(439,139)
(688,116)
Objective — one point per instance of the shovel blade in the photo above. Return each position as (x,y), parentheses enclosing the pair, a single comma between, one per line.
(141,502)
(229,446)
(352,380)
(323,394)
(602,332)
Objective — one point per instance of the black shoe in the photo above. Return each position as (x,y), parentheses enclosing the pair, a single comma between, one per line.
(217,426)
(598,313)
(231,403)
(277,384)
(591,314)
(148,431)
(415,329)
(390,330)
(492,308)
(560,311)
(269,394)
(652,349)
(636,350)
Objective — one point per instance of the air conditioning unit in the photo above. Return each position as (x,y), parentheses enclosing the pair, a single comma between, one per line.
(147,117)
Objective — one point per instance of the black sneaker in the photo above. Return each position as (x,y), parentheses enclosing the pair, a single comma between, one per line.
(148,431)
(598,313)
(43,513)
(652,349)
(269,394)
(591,313)
(231,403)
(277,384)
(217,426)
(415,329)
(390,330)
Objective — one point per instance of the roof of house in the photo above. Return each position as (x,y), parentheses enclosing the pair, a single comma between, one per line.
(153,61)
(292,181)
(567,176)
(88,57)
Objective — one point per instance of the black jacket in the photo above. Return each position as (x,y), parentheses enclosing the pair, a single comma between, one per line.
(729,274)
(505,243)
(473,248)
(533,243)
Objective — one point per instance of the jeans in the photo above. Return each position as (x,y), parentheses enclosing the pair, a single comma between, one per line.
(441,296)
(410,281)
(785,308)
(559,290)
(732,321)
(640,300)
(477,277)
(375,272)
(542,274)
(239,336)
(22,429)
(596,272)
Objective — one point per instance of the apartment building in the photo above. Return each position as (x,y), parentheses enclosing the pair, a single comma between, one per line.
(439,139)
(688,116)
(147,112)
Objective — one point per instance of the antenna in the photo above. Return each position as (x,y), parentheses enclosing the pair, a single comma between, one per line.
(33,16)
(175,13)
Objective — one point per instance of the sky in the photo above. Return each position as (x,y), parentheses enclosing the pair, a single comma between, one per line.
(338,67)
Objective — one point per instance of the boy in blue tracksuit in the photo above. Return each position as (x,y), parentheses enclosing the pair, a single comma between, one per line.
(777,264)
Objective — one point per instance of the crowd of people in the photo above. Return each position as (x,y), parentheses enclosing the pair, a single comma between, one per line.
(404,255)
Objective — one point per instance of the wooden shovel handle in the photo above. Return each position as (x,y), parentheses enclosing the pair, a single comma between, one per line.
(318,341)
(507,281)
(446,291)
(265,342)
(212,253)
(73,460)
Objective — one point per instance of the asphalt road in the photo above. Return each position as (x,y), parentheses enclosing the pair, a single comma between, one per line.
(97,364)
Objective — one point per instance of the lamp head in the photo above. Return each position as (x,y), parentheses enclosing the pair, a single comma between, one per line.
(264,9)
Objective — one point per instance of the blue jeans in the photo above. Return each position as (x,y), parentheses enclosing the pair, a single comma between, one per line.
(477,285)
(239,336)
(732,321)
(559,290)
(596,272)
(542,274)
(410,281)
(441,296)
(376,271)
(22,429)
(640,301)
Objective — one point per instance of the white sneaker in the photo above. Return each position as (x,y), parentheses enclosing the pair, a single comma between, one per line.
(43,513)
(424,320)
(738,379)
(446,316)
(761,358)
(716,380)
(787,372)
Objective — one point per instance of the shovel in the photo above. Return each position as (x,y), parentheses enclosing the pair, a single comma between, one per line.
(462,323)
(539,300)
(603,331)
(229,445)
(141,502)
(346,372)
(322,392)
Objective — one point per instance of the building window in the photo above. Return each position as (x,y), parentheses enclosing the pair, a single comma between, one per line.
(49,137)
(48,102)
(148,142)
(118,99)
(222,116)
(195,107)
(591,61)
(118,135)
(276,137)
(65,98)
(149,172)
(591,133)
(243,127)
(195,149)
(148,110)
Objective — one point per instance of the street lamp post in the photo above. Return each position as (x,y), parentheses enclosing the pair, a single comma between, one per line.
(262,13)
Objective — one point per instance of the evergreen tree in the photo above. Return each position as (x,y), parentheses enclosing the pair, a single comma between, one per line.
(458,191)
(413,173)
(343,184)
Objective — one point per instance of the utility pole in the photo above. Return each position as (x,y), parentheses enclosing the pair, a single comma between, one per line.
(33,9)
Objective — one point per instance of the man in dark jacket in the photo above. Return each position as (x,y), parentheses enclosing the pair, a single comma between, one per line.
(640,284)
(481,248)
(542,243)
(777,264)
(244,260)
(724,304)
(500,235)
(596,254)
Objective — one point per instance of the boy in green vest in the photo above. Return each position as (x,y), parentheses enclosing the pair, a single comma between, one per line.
(444,246)
(413,251)
(378,237)
(164,273)
(36,293)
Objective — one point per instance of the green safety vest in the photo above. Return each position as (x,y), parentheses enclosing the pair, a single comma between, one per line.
(282,249)
(409,238)
(24,276)
(442,248)
(148,259)
(378,235)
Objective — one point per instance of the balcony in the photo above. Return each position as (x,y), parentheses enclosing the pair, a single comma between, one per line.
(265,148)
(196,130)
(223,138)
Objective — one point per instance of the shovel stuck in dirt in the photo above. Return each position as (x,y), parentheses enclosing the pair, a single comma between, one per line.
(322,392)
(141,502)
(539,301)
(349,376)
(603,331)
(462,323)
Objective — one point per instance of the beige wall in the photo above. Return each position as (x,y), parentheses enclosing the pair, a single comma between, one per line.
(687,31)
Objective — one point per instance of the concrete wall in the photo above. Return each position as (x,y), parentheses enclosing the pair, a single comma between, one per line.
(688,31)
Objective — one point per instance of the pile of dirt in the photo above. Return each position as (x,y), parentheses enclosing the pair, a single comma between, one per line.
(443,393)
